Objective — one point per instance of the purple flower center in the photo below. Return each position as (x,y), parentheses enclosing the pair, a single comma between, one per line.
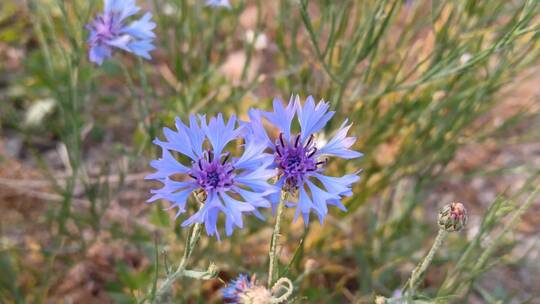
(213,173)
(106,27)
(296,160)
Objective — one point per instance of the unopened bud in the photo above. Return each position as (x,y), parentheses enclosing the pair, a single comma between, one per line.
(453,217)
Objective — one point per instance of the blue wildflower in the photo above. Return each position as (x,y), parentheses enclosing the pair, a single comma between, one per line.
(244,289)
(231,293)
(301,159)
(232,186)
(219,3)
(109,30)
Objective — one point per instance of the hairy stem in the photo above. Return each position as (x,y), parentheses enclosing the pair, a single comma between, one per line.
(191,242)
(272,267)
(419,271)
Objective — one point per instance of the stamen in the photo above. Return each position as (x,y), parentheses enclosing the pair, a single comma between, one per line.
(210,156)
(312,152)
(322,162)
(278,152)
(297,141)
(310,140)
(281,140)
(200,164)
(227,155)
(192,176)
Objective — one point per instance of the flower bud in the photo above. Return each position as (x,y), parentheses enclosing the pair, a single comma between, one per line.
(453,217)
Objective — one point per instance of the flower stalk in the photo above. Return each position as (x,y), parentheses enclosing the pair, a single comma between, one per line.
(191,242)
(452,217)
(272,267)
(419,271)
(181,271)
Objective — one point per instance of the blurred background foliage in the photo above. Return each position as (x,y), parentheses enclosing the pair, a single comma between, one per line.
(444,100)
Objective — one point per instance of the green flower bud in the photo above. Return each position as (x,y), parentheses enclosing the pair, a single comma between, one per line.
(453,217)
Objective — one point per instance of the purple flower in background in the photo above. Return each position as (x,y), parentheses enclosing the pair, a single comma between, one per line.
(232,185)
(218,3)
(301,158)
(110,30)
(397,297)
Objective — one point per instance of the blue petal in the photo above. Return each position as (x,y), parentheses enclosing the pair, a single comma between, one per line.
(210,222)
(218,3)
(282,117)
(142,48)
(321,199)
(276,196)
(170,187)
(256,199)
(255,127)
(121,42)
(339,145)
(195,133)
(98,53)
(142,28)
(337,203)
(304,205)
(233,212)
(177,141)
(253,155)
(124,8)
(313,118)
(338,185)
(220,134)
(175,192)
(256,179)
(208,214)
(166,166)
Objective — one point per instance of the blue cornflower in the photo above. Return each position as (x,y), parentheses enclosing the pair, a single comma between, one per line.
(301,159)
(231,293)
(232,186)
(219,3)
(244,289)
(109,30)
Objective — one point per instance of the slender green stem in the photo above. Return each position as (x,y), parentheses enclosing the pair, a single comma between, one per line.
(419,271)
(191,242)
(272,267)
(146,98)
